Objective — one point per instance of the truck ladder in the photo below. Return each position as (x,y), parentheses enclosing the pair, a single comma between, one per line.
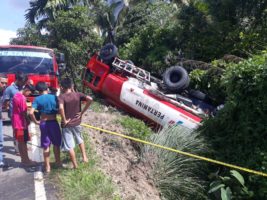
(132,69)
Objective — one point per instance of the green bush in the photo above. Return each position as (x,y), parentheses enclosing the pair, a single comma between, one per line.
(209,82)
(150,47)
(135,127)
(238,131)
(230,186)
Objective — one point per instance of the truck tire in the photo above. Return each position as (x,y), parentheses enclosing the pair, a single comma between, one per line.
(176,79)
(198,95)
(108,52)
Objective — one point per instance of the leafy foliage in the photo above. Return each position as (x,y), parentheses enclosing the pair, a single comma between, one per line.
(231,186)
(140,16)
(156,52)
(30,35)
(43,11)
(201,30)
(210,82)
(242,121)
(72,34)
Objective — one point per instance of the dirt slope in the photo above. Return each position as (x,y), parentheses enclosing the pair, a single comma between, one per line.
(119,160)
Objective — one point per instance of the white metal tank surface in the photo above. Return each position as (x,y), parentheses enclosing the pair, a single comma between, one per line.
(133,95)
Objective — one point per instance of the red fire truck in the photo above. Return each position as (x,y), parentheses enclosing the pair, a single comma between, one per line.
(39,63)
(134,90)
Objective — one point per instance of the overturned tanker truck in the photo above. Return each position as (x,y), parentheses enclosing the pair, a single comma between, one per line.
(134,90)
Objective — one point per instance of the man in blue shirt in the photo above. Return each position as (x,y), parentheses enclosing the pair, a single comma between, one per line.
(15,87)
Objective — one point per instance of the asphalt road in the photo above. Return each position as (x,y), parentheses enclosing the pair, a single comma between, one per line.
(18,182)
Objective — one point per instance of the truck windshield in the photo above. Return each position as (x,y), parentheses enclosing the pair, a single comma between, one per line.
(27,61)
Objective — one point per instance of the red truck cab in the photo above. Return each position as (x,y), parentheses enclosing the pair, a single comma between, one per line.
(39,63)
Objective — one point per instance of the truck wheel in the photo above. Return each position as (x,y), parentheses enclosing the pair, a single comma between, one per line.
(108,52)
(198,95)
(176,79)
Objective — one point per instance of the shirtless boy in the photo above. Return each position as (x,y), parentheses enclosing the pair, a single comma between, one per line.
(47,105)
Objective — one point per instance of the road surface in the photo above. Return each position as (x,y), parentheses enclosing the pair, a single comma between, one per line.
(18,182)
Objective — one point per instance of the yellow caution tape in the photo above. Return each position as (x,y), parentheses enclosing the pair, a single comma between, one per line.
(180,152)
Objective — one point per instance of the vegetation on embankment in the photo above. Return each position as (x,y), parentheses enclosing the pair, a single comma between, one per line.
(178,176)
(86,182)
(239,129)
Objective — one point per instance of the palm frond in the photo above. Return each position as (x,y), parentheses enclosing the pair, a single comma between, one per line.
(36,9)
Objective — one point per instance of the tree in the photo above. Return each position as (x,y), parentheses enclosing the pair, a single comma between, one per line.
(141,15)
(72,32)
(147,35)
(108,14)
(42,11)
(30,35)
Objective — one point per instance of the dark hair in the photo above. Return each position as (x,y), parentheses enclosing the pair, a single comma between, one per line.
(29,87)
(20,76)
(41,86)
(66,83)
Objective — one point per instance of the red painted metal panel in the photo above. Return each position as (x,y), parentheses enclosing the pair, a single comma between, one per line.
(100,71)
(112,87)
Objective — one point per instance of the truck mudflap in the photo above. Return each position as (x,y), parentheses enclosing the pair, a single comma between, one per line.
(159,111)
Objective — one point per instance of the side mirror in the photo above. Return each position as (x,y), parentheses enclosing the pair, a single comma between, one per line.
(60,58)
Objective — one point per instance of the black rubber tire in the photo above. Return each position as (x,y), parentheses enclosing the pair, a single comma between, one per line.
(198,95)
(108,52)
(176,79)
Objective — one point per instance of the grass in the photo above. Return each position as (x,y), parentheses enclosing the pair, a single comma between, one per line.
(177,176)
(135,127)
(97,107)
(85,183)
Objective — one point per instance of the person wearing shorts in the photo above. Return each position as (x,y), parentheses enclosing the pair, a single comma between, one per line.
(71,114)
(47,105)
(20,123)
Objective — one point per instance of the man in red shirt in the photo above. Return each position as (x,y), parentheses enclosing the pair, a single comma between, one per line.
(20,123)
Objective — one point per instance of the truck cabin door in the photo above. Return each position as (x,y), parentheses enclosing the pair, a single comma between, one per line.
(95,74)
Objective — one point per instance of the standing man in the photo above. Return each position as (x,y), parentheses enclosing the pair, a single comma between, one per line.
(10,91)
(3,83)
(71,114)
(47,105)
(20,123)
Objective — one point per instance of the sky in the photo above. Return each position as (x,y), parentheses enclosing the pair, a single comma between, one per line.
(11,18)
